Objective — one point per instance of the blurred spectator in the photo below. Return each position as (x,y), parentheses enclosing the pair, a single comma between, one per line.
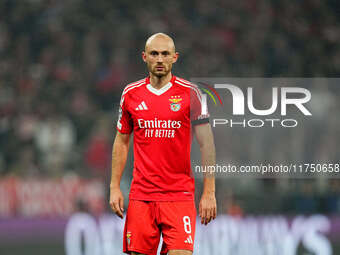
(26,163)
(332,200)
(55,138)
(233,208)
(83,115)
(98,150)
(111,79)
(306,201)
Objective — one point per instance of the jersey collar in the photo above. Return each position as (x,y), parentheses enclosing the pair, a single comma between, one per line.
(162,90)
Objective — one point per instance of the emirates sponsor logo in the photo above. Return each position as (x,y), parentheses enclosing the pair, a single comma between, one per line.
(156,123)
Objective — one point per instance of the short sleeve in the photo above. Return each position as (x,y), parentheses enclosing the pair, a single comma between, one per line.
(124,123)
(198,108)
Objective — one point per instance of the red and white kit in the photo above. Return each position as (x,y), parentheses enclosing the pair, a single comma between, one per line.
(162,121)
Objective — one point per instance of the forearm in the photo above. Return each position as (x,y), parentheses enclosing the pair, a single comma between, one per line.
(208,162)
(119,156)
(207,206)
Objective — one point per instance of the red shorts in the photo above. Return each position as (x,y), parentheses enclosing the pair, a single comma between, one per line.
(147,220)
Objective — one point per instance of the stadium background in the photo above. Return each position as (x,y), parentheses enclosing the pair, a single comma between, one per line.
(63,65)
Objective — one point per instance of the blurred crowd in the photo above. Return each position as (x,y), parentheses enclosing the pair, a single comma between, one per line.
(64,63)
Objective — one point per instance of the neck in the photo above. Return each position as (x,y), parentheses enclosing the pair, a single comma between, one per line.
(159,82)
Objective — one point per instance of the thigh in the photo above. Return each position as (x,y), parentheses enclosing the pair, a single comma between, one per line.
(141,233)
(178,222)
(179,252)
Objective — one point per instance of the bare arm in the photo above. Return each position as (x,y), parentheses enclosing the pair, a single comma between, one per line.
(207,206)
(119,155)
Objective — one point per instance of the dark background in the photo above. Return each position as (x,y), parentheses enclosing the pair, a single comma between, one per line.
(63,65)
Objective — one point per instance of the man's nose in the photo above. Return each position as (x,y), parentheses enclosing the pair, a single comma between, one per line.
(160,58)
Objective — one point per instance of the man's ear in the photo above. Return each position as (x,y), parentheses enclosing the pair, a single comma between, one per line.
(176,57)
(144,56)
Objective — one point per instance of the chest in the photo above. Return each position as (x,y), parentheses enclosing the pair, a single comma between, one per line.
(170,106)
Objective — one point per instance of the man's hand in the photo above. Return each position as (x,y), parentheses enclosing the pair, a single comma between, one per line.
(117,201)
(207,207)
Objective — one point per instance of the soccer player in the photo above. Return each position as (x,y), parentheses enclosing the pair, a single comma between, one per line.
(163,111)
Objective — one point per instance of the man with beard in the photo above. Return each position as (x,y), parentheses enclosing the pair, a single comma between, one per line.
(163,111)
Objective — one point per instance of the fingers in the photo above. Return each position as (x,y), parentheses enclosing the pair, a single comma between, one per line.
(120,213)
(121,204)
(208,216)
(117,202)
(207,211)
(214,213)
(117,206)
(200,212)
(116,209)
(203,215)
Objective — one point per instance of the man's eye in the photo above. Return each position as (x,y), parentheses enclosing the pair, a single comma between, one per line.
(154,53)
(165,53)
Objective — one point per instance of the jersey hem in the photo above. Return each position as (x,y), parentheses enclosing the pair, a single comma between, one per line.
(129,250)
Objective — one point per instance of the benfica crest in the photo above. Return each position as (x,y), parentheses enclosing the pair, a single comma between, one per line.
(175,104)
(128,238)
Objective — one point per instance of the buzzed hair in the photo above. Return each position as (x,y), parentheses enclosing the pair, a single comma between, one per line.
(161,35)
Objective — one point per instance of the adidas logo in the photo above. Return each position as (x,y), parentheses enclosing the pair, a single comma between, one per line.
(142,106)
(189,240)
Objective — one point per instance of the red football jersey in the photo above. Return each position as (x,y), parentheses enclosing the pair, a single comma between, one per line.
(161,120)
